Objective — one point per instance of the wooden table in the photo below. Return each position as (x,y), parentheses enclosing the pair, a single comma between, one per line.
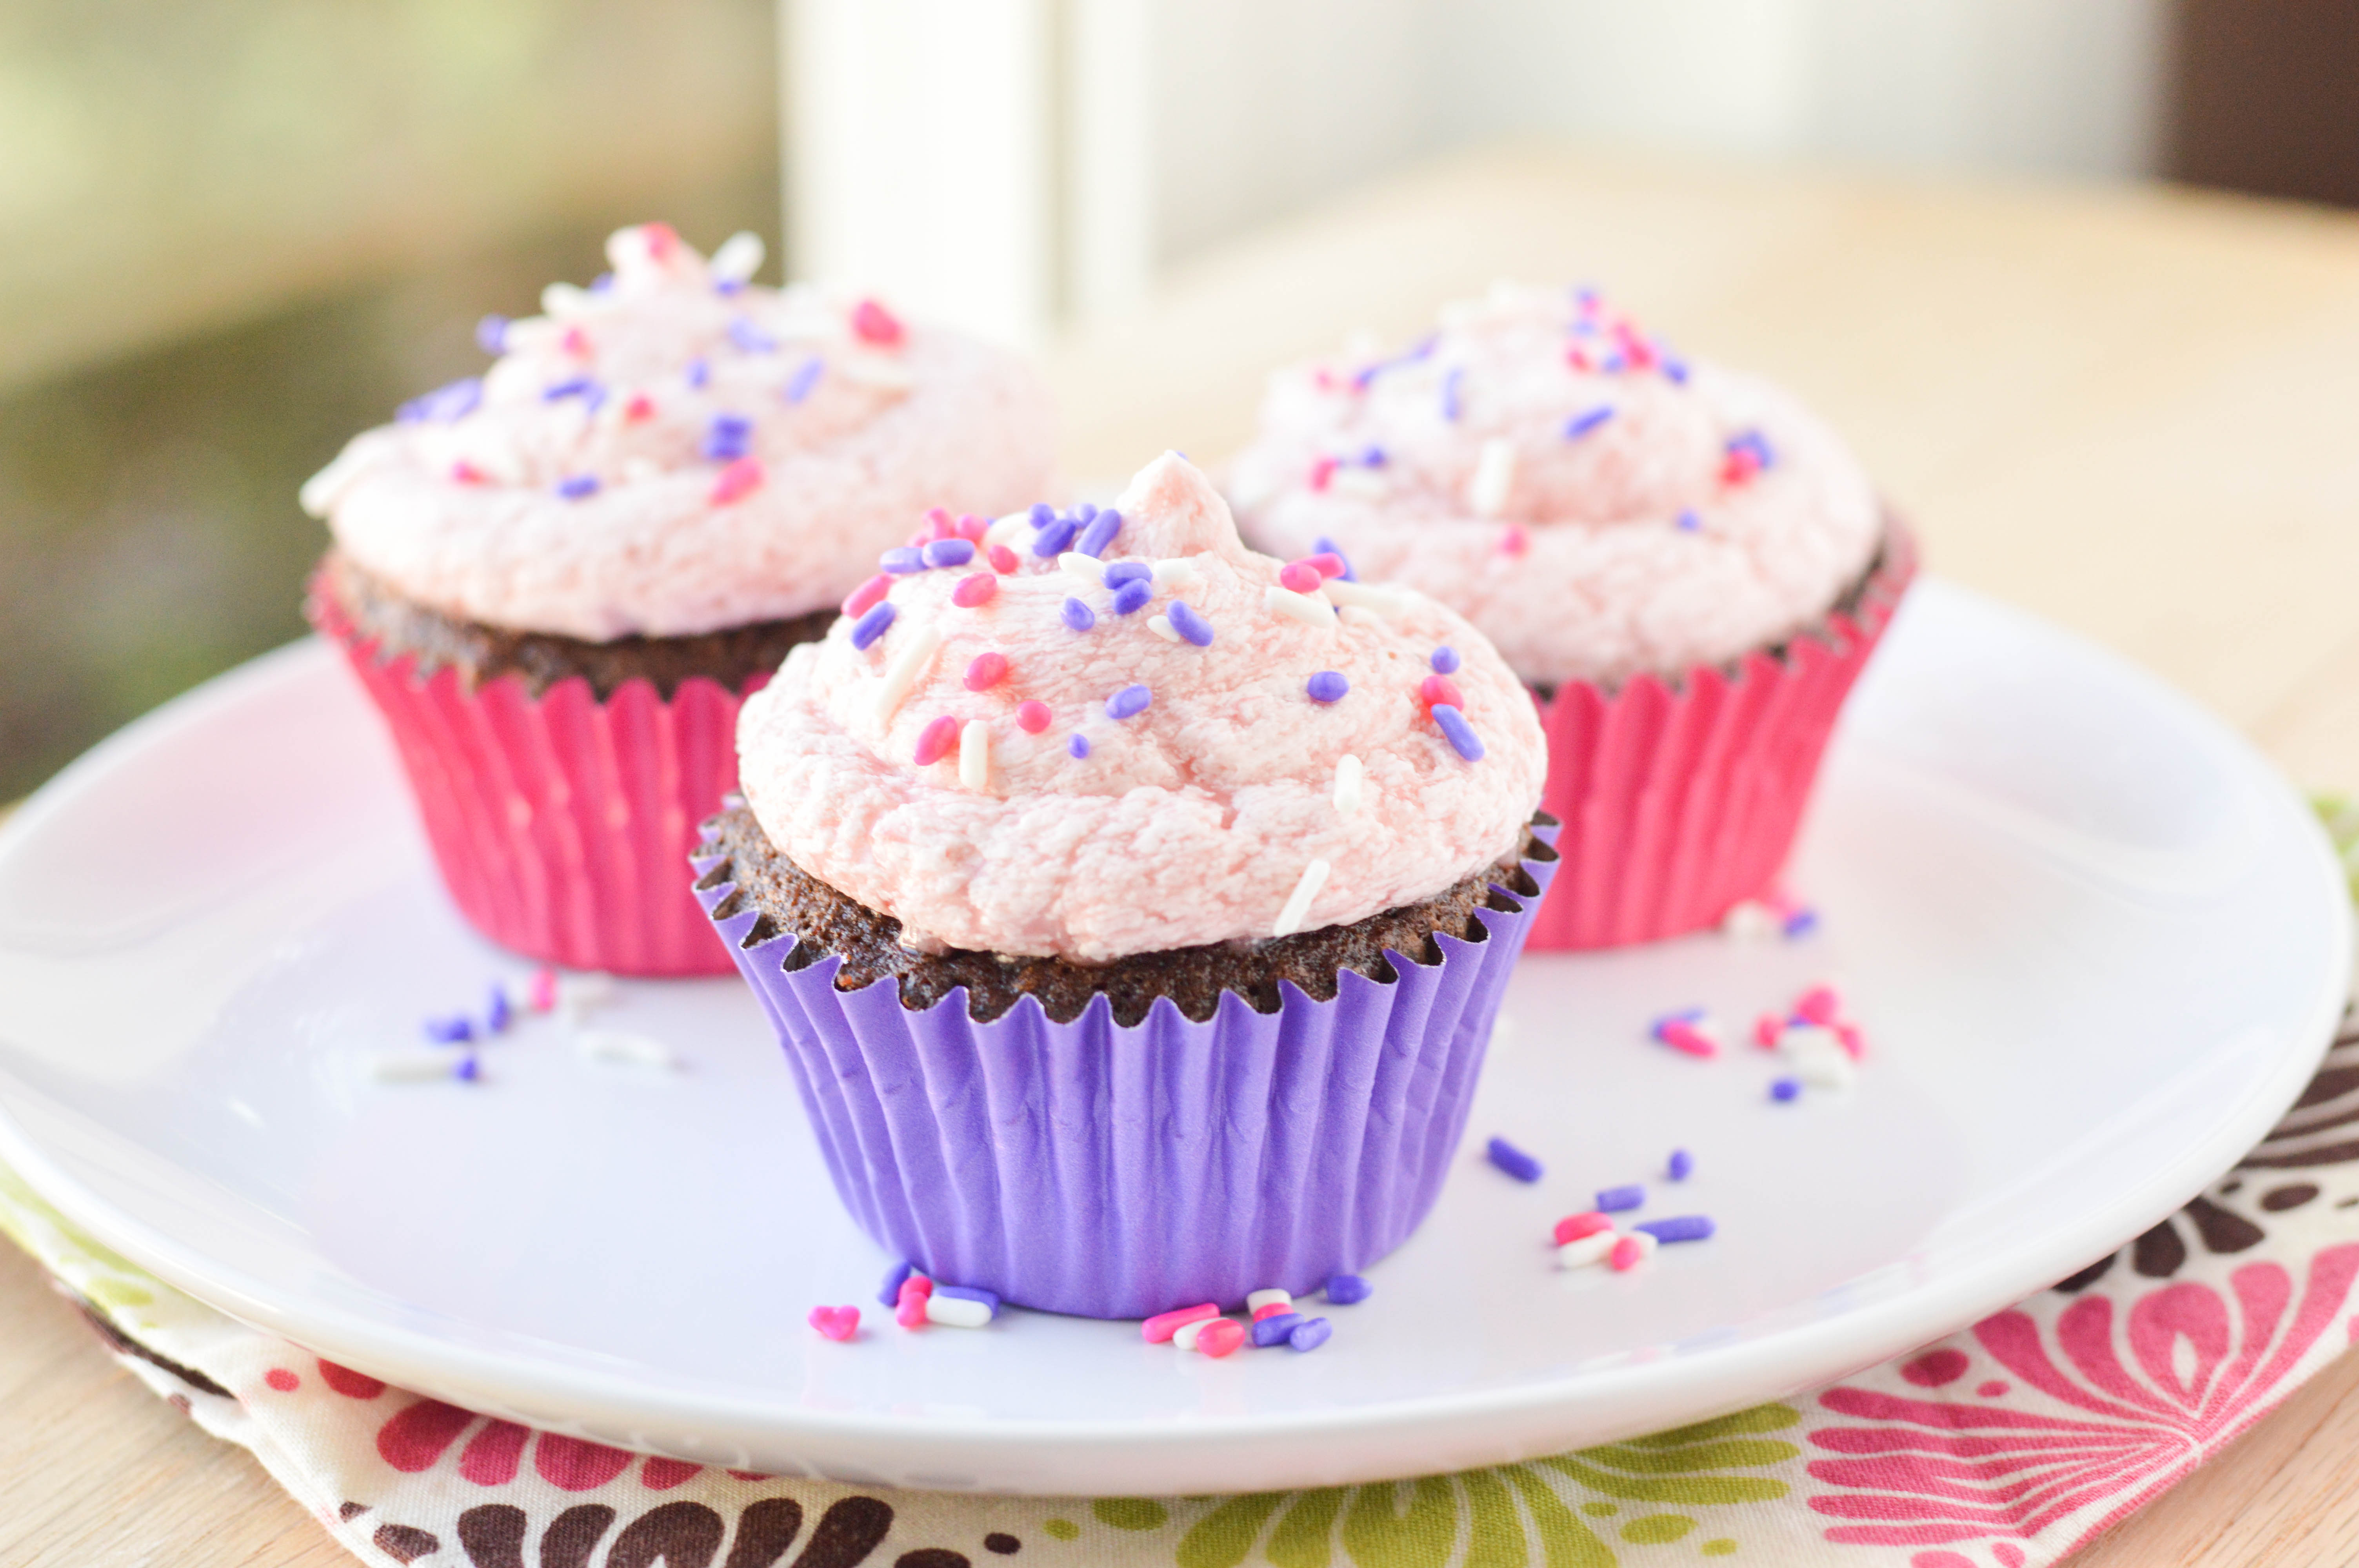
(2133,411)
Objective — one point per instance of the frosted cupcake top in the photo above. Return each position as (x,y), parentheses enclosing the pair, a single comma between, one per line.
(674,451)
(1597,505)
(1105,734)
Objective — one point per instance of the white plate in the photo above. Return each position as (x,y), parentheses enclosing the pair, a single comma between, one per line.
(2097,945)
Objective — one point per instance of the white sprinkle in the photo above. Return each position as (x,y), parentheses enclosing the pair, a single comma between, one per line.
(739,257)
(1355,615)
(1297,607)
(1360,483)
(612,1045)
(1007,529)
(902,673)
(1184,1336)
(638,470)
(1818,1055)
(1366,596)
(559,300)
(1645,1240)
(579,994)
(1161,626)
(413,1067)
(1349,783)
(1089,568)
(1298,902)
(1494,476)
(1256,1300)
(1584,1251)
(1177,573)
(322,490)
(975,755)
(957,1312)
(1748,920)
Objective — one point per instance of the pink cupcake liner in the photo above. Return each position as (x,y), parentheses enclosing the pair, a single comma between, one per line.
(1110,1172)
(559,822)
(1681,798)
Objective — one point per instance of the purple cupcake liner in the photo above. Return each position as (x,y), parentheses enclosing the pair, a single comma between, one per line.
(1112,1172)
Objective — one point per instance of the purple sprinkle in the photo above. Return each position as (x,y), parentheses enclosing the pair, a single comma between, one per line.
(728,285)
(499,1014)
(468,1070)
(1084,512)
(1128,571)
(1453,403)
(578,486)
(1784,1089)
(891,1294)
(572,386)
(1614,1200)
(750,338)
(453,1031)
(1132,596)
(1684,1015)
(1078,746)
(1754,441)
(1077,615)
(1129,702)
(902,560)
(1327,686)
(1688,521)
(950,552)
(1615,364)
(444,404)
(1681,1165)
(1099,533)
(725,438)
(1188,624)
(1445,660)
(1348,1289)
(602,282)
(492,334)
(1372,457)
(1801,923)
(1461,734)
(1273,1329)
(1678,1228)
(1042,514)
(1310,1334)
(798,385)
(1580,425)
(1511,1160)
(1054,538)
(1322,546)
(1585,295)
(699,372)
(969,1293)
(1675,370)
(873,625)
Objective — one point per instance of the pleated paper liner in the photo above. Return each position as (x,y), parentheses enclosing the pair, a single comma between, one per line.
(1681,798)
(559,822)
(1117,1172)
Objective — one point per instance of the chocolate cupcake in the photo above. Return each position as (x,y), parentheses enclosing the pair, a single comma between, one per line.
(1134,909)
(1687,568)
(559,580)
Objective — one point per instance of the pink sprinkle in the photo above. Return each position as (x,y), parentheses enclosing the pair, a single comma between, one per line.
(935,741)
(841,1323)
(868,595)
(1032,717)
(988,669)
(1818,1005)
(662,240)
(909,1308)
(972,528)
(872,323)
(1853,1043)
(1683,1036)
(1739,466)
(1272,1309)
(1766,1029)
(1573,1226)
(466,472)
(1435,690)
(575,343)
(641,408)
(1217,1338)
(1321,471)
(1627,1254)
(736,481)
(973,590)
(1300,576)
(1514,541)
(1159,1329)
(1575,358)
(939,525)
(541,993)
(1003,560)
(1327,563)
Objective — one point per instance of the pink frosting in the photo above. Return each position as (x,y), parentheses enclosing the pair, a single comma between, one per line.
(480,504)
(1192,821)
(1629,522)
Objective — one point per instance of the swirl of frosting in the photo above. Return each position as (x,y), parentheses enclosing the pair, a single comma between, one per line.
(674,451)
(1103,734)
(1597,505)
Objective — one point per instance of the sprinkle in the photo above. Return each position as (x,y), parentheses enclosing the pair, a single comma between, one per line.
(455,1030)
(464,472)
(749,338)
(1675,370)
(910,1312)
(468,1070)
(1177,572)
(1819,1004)
(1256,1300)
(891,1294)
(1573,1226)
(1003,560)
(613,1045)
(1439,688)
(444,405)
(838,1323)
(1129,702)
(1580,425)
(1310,1334)
(1784,1090)
(1327,686)
(1326,563)
(1631,1250)
(961,1306)
(974,590)
(1077,615)
(640,408)
(492,334)
(1296,908)
(986,670)
(902,559)
(1678,1228)
(1161,626)
(1444,660)
(868,595)
(1511,1160)
(971,528)
(572,386)
(974,755)
(575,343)
(805,378)
(1184,1336)
(1128,571)
(1271,1309)
(1349,776)
(1364,596)
(1159,1328)
(1190,624)
(1086,567)
(578,487)
(872,625)
(1680,1034)
(872,323)
(699,372)
(1300,576)
(1297,607)
(410,1067)
(1614,1200)
(1032,717)
(1055,538)
(1219,1336)
(739,480)
(1079,746)
(1514,541)
(935,741)
(950,553)
(540,992)
(1100,533)
(1132,597)
(1461,734)
(1688,521)
(737,259)
(1326,547)
(1495,477)
(1273,1330)
(1749,920)
(725,438)
(1586,1251)
(1348,1289)
(1454,402)
(1681,1165)
(1801,923)
(1041,514)
(1321,472)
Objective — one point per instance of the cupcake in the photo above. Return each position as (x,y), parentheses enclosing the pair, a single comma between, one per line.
(559,580)
(1684,565)
(1134,909)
